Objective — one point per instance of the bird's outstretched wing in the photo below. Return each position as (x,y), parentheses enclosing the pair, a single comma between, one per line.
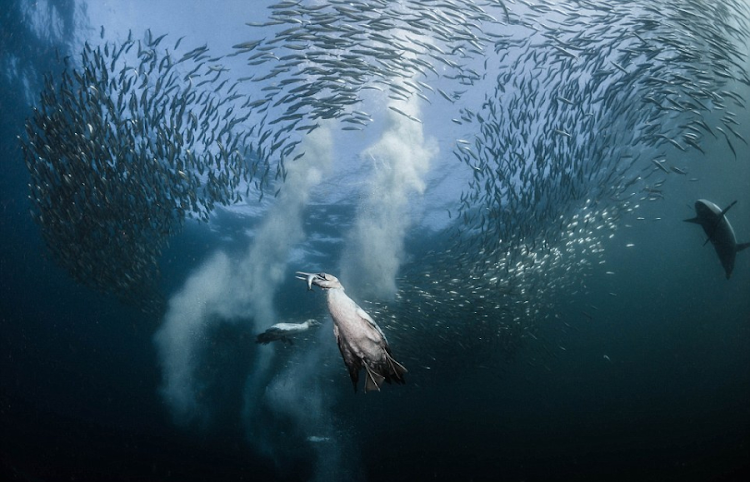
(352,362)
(366,317)
(273,334)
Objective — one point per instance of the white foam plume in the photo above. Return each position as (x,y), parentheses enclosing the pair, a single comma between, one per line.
(374,247)
(302,392)
(226,290)
(178,339)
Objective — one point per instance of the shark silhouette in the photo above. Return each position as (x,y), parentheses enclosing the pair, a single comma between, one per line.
(715,224)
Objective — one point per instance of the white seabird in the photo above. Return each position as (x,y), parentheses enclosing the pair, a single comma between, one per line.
(284,331)
(361,341)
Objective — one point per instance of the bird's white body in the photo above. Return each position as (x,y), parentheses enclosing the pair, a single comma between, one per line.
(361,341)
(292,328)
(284,331)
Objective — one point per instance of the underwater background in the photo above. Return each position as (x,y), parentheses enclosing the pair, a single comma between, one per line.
(501,185)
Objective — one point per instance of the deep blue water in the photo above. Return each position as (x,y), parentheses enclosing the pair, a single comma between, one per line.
(640,375)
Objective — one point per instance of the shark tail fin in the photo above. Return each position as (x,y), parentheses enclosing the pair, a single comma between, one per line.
(742,246)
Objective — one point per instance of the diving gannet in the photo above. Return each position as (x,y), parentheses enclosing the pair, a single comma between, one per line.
(715,224)
(361,341)
(284,331)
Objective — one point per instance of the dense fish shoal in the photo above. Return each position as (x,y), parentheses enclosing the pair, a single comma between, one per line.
(568,113)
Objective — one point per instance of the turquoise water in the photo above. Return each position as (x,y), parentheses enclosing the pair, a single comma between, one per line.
(578,332)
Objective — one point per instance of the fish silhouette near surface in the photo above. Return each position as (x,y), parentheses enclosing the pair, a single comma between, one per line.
(361,341)
(715,224)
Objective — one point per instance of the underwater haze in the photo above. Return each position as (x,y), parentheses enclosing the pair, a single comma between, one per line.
(501,185)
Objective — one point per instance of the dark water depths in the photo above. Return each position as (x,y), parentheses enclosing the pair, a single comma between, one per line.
(79,378)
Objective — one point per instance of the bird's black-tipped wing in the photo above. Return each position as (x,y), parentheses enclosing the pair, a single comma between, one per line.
(352,362)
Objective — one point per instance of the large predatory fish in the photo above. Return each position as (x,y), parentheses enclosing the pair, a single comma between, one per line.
(714,222)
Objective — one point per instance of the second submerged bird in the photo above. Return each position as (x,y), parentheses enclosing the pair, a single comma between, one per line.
(361,341)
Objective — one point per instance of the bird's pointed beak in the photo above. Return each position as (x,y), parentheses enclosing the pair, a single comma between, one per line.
(309,277)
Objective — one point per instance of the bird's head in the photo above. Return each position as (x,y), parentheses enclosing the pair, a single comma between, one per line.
(312,322)
(322,280)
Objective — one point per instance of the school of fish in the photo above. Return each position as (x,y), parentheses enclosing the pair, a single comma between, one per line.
(570,113)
